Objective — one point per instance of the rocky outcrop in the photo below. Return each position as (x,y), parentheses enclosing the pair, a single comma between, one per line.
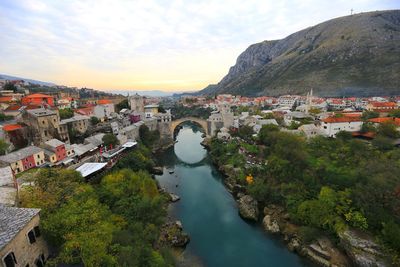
(352,55)
(172,234)
(157,170)
(362,249)
(174,197)
(270,225)
(248,208)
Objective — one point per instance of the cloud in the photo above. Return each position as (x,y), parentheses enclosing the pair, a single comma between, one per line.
(140,44)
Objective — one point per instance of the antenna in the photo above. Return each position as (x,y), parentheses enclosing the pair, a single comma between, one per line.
(351,11)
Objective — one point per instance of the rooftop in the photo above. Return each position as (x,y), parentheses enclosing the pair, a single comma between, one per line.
(75,118)
(6,176)
(341,119)
(54,143)
(20,154)
(12,221)
(38,96)
(90,168)
(11,127)
(38,112)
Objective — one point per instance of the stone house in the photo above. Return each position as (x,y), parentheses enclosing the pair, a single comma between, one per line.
(21,241)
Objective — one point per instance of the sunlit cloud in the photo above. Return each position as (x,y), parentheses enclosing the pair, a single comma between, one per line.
(170,45)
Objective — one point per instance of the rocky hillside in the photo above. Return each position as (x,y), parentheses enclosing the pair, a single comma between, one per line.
(352,55)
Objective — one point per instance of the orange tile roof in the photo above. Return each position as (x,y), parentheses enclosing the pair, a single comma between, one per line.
(13,108)
(11,127)
(381,120)
(341,119)
(38,96)
(104,101)
(383,104)
(6,99)
(367,134)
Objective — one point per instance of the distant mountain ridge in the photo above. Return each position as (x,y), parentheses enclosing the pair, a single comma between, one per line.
(352,55)
(13,78)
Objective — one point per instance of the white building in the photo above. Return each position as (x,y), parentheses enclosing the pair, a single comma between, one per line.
(287,100)
(102,111)
(332,125)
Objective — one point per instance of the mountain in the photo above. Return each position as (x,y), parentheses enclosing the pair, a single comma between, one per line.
(352,55)
(13,78)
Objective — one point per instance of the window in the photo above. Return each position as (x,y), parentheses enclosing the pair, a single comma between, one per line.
(31,237)
(10,260)
(36,230)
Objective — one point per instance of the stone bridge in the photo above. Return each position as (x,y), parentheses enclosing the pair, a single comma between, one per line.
(203,123)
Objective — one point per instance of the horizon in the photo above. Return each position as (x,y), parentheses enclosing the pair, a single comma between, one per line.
(152,46)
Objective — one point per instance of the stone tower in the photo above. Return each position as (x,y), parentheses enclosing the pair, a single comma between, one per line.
(137,103)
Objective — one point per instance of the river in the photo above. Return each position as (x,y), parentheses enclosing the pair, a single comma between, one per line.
(208,212)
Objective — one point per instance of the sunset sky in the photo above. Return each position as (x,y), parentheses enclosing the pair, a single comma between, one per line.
(152,44)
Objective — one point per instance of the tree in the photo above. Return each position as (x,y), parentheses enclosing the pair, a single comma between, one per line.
(10,87)
(366,115)
(245,132)
(395,113)
(367,127)
(121,105)
(3,147)
(94,120)
(388,129)
(66,113)
(110,140)
(148,138)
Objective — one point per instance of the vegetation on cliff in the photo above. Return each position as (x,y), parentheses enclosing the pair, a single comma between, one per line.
(325,184)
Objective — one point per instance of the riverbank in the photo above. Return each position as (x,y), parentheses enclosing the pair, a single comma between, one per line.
(352,247)
(208,212)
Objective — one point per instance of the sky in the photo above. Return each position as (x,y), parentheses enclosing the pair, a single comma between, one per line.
(170,45)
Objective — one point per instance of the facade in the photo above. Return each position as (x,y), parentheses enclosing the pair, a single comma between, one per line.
(44,124)
(38,99)
(21,241)
(79,123)
(150,111)
(102,111)
(137,103)
(57,147)
(24,159)
(332,125)
(287,100)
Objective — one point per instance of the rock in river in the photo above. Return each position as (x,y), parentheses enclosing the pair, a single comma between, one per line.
(270,225)
(174,198)
(248,208)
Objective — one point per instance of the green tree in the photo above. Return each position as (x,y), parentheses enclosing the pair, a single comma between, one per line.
(395,113)
(10,87)
(3,147)
(388,129)
(148,138)
(110,140)
(94,120)
(367,127)
(366,115)
(121,105)
(66,113)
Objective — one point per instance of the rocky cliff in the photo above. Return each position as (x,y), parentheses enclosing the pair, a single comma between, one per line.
(352,55)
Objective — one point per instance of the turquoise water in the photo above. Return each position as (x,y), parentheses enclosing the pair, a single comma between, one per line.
(219,237)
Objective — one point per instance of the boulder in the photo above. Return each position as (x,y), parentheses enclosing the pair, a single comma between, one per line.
(248,208)
(158,170)
(362,249)
(173,197)
(294,244)
(270,225)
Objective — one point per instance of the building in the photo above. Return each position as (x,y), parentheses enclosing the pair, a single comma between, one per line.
(14,134)
(287,100)
(382,106)
(332,125)
(150,111)
(104,109)
(44,124)
(57,148)
(21,241)
(310,130)
(24,159)
(79,123)
(38,99)
(137,103)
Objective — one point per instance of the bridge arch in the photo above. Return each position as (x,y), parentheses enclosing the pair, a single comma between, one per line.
(203,123)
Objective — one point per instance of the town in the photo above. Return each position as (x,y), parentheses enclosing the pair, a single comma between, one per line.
(75,130)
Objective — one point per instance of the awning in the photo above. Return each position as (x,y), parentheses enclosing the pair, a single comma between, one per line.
(129,144)
(89,168)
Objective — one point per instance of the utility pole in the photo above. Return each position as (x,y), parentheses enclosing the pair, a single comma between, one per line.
(351,12)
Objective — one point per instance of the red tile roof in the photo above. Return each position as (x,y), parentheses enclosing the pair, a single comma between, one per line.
(6,99)
(11,127)
(341,119)
(104,101)
(13,108)
(38,96)
(383,104)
